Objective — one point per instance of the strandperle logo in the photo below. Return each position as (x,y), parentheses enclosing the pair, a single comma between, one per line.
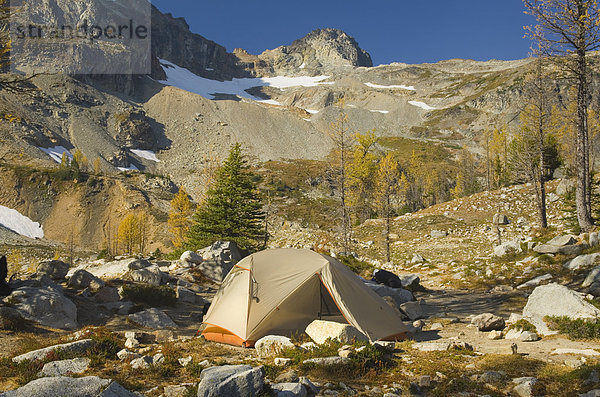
(84,30)
(77,37)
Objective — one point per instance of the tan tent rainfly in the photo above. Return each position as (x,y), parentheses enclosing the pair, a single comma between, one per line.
(281,291)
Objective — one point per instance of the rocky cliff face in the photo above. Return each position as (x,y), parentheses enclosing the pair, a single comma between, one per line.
(173,40)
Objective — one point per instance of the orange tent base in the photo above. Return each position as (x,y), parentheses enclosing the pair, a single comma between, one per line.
(227,338)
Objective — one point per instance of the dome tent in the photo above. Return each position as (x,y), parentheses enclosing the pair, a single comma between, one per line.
(281,291)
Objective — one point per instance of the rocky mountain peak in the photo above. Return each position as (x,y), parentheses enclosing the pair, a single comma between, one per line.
(333,46)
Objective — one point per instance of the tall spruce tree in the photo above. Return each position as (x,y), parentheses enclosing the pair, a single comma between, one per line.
(232,209)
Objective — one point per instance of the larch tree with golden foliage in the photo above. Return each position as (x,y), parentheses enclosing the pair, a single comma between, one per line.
(128,233)
(361,172)
(387,184)
(568,31)
(179,217)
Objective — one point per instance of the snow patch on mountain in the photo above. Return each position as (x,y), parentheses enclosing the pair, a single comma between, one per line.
(18,223)
(146,154)
(421,105)
(186,80)
(56,153)
(385,87)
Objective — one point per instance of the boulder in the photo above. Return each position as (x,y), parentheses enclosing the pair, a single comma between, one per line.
(328,361)
(56,270)
(185,295)
(556,300)
(141,362)
(320,331)
(535,281)
(231,381)
(149,275)
(152,318)
(218,259)
(288,390)
(594,289)
(566,245)
(386,278)
(508,247)
(65,367)
(138,264)
(523,336)
(46,306)
(524,387)
(77,347)
(564,186)
(61,386)
(10,319)
(107,295)
(594,240)
(581,261)
(191,257)
(412,310)
(592,277)
(271,345)
(83,279)
(488,322)
(399,295)
(410,281)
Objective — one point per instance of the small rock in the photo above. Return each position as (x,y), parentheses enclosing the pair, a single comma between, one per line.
(125,354)
(77,347)
(288,390)
(132,343)
(282,362)
(141,362)
(436,326)
(164,335)
(494,335)
(524,387)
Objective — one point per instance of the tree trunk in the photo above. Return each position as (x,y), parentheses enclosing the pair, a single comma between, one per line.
(583,188)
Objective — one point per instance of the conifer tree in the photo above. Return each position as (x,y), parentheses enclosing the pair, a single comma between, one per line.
(362,172)
(179,217)
(128,233)
(232,209)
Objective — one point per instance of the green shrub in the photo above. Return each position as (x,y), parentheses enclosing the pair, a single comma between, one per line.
(523,325)
(150,295)
(575,329)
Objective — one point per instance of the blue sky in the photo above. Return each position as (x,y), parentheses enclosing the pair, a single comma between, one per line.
(410,31)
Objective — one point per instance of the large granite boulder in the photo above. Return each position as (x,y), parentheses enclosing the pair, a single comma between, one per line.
(556,300)
(62,386)
(320,330)
(231,381)
(565,245)
(46,306)
(56,270)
